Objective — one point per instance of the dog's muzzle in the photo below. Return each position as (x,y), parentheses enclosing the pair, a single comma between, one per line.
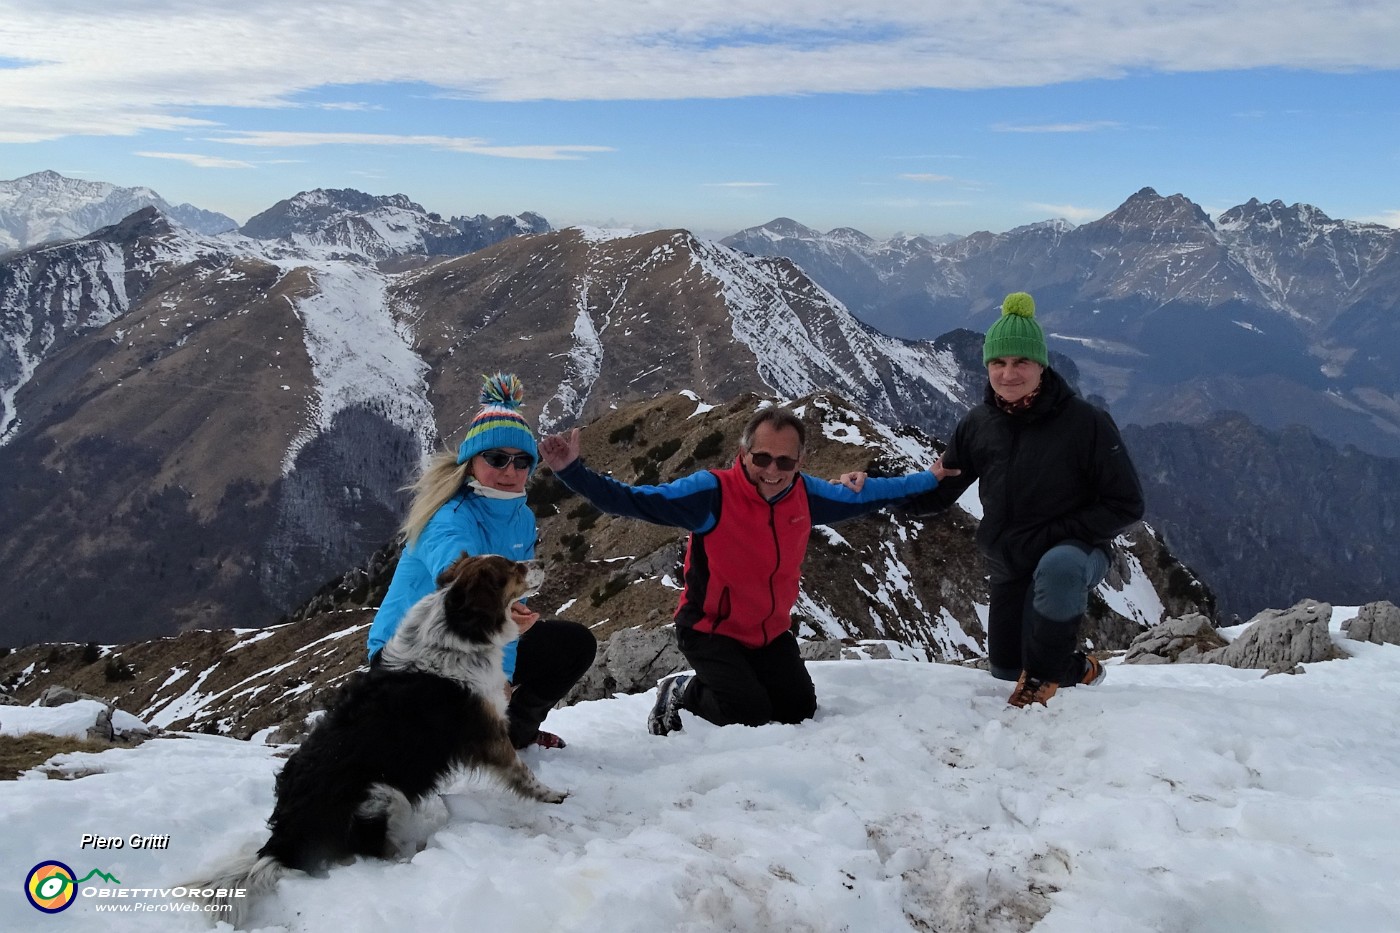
(534,577)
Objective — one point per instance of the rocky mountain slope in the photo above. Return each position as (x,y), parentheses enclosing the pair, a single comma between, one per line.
(1239,499)
(46,206)
(878,584)
(864,273)
(1276,311)
(205,429)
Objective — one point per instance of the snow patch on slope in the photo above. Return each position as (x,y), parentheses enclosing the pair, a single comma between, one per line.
(582,370)
(26,338)
(358,356)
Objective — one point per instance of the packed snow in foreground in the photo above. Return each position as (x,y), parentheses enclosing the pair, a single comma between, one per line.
(1169,798)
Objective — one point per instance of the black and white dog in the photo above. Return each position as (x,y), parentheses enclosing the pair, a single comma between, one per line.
(435,704)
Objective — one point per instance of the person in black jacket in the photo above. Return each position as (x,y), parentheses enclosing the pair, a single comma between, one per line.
(1057,486)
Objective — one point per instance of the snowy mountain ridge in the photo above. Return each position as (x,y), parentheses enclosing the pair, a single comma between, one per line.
(380,227)
(335,376)
(52,296)
(1275,310)
(46,206)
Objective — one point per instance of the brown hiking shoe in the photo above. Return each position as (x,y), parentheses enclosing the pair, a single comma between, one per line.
(1031,690)
(1093,671)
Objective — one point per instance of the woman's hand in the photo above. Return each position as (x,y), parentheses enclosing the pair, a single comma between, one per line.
(523,618)
(940,471)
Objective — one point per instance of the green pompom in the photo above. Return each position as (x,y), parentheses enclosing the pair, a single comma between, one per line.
(1019,304)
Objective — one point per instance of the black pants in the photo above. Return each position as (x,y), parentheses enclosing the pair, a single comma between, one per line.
(1033,620)
(549,660)
(752,686)
(1019,638)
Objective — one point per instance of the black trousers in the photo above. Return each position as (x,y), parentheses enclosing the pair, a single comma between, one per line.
(549,660)
(1033,620)
(752,686)
(1020,638)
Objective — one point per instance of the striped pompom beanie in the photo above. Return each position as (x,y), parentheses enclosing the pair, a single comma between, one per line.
(499,423)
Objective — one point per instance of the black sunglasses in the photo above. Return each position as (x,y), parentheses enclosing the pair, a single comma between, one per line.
(498,459)
(763,460)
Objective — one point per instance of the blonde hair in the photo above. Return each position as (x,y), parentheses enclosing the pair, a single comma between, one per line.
(440,481)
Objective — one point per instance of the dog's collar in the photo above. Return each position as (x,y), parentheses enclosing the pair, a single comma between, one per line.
(490,493)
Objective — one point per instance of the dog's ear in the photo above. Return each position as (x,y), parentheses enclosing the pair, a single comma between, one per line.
(452,570)
(498,576)
(454,598)
(520,579)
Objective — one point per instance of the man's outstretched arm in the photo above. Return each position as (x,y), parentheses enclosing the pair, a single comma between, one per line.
(691,502)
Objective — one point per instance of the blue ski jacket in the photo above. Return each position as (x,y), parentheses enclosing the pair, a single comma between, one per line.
(468,523)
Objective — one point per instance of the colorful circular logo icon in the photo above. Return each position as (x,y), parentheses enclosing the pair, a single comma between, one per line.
(50,887)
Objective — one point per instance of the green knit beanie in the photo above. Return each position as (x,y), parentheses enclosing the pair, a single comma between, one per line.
(1016,332)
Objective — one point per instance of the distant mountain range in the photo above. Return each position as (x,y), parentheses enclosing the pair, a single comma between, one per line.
(46,206)
(200,430)
(1278,312)
(212,427)
(381,226)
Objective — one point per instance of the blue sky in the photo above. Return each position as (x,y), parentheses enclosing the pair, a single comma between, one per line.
(885,116)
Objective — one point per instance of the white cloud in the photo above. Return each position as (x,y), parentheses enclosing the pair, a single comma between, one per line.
(738,184)
(350,105)
(1384,218)
(199,161)
(925,177)
(1085,127)
(103,68)
(1069,212)
(278,139)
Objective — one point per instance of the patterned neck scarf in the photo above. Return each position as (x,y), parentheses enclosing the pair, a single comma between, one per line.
(1021,405)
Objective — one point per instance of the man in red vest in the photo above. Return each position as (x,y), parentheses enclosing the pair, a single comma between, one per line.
(749,526)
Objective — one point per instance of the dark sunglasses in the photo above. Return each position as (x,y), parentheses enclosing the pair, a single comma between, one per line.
(762,461)
(498,459)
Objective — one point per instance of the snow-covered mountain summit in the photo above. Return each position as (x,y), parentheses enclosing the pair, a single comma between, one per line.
(47,206)
(381,227)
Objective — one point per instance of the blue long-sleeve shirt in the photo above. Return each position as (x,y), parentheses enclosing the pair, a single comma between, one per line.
(692,502)
(744,558)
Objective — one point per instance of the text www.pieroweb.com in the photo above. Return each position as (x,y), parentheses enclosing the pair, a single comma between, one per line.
(168,907)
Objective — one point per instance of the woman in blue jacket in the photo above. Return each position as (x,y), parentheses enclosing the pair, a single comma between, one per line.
(473,501)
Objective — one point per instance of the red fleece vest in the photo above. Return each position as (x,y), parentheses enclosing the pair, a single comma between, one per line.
(742,576)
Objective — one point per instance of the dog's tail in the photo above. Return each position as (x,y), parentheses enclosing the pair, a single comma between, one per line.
(231,889)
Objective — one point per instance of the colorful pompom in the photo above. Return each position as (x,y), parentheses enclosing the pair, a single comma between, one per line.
(502,389)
